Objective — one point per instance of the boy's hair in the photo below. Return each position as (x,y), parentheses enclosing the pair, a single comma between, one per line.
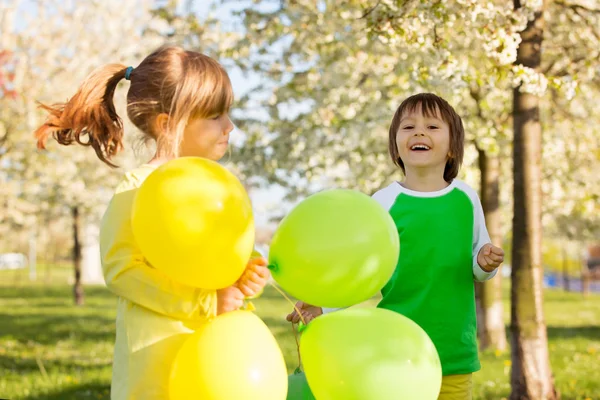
(182,84)
(431,106)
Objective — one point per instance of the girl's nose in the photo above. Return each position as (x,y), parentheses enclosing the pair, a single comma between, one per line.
(228,127)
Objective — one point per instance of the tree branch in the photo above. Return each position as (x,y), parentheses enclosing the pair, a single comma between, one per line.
(589,23)
(576,7)
(363,79)
(370,10)
(564,71)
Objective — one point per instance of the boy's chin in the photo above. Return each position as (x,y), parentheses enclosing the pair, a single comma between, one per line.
(425,165)
(422,164)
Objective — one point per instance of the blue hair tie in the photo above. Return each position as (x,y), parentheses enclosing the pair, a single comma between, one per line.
(128,73)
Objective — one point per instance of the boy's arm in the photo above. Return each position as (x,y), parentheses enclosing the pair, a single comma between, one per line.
(480,239)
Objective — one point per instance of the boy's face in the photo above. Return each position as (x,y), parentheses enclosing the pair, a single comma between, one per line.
(423,142)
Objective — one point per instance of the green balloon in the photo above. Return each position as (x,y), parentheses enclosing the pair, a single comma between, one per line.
(369,354)
(298,387)
(336,248)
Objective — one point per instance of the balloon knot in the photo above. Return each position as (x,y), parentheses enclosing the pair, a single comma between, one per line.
(272,267)
(301,327)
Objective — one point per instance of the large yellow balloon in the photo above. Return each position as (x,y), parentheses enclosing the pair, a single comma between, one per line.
(192,219)
(235,356)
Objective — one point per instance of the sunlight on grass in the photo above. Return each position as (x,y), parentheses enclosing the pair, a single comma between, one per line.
(51,350)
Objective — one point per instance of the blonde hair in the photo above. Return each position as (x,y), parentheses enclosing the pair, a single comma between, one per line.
(182,84)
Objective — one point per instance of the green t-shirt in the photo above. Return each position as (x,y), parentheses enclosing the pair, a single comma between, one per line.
(441,234)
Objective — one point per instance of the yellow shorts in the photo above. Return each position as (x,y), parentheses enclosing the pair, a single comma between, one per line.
(457,387)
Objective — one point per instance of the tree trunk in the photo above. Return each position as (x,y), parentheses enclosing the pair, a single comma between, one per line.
(77,288)
(490,311)
(531,375)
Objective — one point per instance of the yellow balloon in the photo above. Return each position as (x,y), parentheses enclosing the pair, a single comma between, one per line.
(235,356)
(192,219)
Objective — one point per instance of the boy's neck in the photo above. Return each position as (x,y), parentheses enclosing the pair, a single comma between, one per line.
(424,181)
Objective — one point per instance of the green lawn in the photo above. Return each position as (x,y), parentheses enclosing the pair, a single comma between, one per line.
(52,350)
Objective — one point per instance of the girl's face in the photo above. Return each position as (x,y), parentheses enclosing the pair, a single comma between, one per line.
(423,142)
(207,138)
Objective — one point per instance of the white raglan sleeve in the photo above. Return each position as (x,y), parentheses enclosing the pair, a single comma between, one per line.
(480,238)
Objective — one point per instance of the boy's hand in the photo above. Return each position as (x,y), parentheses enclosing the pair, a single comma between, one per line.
(490,257)
(229,299)
(254,278)
(308,313)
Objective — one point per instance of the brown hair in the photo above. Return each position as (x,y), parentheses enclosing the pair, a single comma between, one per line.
(182,84)
(432,106)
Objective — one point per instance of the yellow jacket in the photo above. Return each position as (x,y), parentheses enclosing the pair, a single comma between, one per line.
(154,313)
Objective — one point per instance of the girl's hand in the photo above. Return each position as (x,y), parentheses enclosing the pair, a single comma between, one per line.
(254,278)
(229,299)
(490,257)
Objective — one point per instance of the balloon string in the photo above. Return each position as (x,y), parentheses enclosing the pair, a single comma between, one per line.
(289,300)
(295,331)
(293,327)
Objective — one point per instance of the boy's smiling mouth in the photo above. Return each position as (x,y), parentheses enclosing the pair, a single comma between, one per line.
(421,147)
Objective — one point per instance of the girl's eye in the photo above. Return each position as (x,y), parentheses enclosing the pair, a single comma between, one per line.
(408,127)
(216,117)
(433,127)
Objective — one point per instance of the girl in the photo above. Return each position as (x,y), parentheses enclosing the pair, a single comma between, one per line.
(445,243)
(180,99)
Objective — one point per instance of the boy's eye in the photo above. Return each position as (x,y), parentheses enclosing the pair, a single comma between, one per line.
(408,127)
(432,127)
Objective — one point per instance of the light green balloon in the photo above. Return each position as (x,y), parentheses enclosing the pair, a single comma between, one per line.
(369,354)
(298,387)
(336,248)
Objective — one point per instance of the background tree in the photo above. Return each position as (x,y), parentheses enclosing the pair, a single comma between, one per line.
(55,49)
(531,376)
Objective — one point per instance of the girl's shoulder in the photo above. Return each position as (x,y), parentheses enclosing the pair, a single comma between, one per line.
(134,178)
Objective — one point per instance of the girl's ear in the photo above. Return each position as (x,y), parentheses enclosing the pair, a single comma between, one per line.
(161,123)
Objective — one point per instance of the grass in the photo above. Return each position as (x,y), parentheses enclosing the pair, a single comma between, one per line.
(573,324)
(51,350)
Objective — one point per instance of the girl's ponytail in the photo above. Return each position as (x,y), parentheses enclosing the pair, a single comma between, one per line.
(172,81)
(91,111)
